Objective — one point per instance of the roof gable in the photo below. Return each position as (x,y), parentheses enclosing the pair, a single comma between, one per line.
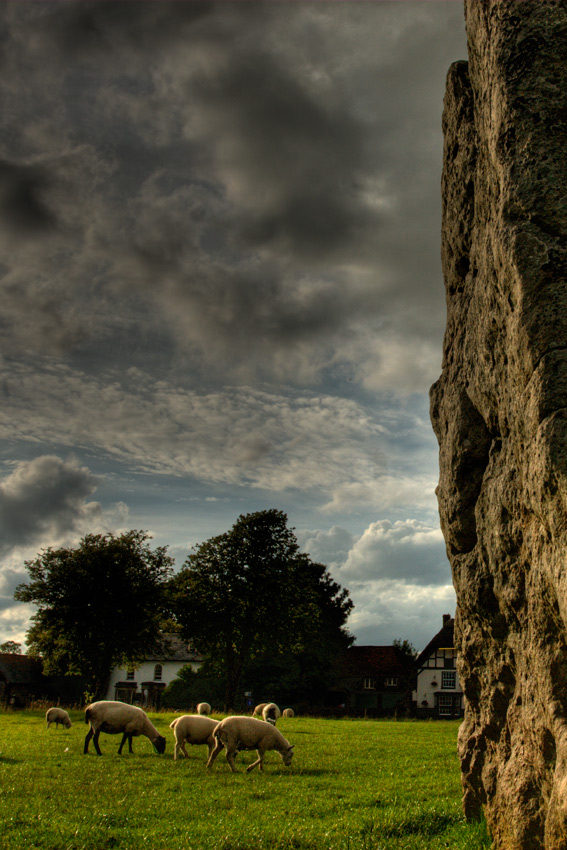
(445,638)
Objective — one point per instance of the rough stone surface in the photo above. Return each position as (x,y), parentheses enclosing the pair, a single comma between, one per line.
(499,411)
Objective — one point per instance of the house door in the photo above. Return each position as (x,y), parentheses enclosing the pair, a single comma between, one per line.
(448,705)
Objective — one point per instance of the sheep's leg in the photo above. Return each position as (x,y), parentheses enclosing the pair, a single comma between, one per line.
(230,759)
(179,748)
(126,737)
(90,733)
(184,748)
(259,761)
(95,742)
(215,752)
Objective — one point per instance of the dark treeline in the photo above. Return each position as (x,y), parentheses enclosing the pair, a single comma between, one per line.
(264,616)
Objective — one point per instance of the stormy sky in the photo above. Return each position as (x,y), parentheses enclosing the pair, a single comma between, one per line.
(221,286)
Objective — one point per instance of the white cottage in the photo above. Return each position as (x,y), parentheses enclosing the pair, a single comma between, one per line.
(144,684)
(439,693)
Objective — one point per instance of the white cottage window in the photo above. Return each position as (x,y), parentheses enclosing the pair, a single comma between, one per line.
(448,679)
(157,673)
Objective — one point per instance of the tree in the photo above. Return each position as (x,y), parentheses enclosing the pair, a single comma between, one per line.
(250,592)
(99,605)
(407,648)
(11,647)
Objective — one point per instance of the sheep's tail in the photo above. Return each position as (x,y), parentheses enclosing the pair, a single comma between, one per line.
(87,715)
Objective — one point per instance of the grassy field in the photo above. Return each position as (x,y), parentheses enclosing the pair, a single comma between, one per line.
(353,785)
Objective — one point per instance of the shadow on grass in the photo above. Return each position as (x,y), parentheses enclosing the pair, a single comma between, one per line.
(6,760)
(428,824)
(317,771)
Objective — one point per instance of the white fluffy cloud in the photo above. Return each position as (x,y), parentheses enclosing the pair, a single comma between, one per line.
(397,574)
(388,550)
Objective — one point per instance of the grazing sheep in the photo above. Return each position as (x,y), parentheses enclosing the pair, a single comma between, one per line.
(271,712)
(203,708)
(288,712)
(58,716)
(247,733)
(194,729)
(114,717)
(259,709)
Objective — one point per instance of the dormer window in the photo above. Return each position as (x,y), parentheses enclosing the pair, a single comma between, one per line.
(369,684)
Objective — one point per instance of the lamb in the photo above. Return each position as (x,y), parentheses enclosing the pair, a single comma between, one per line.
(58,716)
(271,712)
(114,717)
(194,729)
(203,708)
(247,733)
(288,712)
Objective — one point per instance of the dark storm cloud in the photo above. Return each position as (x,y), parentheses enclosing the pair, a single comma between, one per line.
(91,29)
(297,156)
(256,178)
(22,205)
(44,498)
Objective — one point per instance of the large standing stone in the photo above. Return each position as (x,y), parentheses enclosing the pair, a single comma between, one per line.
(500,412)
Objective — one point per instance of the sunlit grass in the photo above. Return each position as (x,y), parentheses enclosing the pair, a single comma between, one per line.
(353,785)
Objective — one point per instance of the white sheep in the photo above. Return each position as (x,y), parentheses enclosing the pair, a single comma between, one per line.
(203,708)
(193,729)
(58,716)
(288,712)
(247,733)
(259,709)
(114,717)
(271,712)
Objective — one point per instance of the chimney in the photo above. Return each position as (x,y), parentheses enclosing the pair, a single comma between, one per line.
(446,618)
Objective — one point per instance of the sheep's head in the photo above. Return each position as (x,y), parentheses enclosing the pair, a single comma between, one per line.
(159,744)
(287,756)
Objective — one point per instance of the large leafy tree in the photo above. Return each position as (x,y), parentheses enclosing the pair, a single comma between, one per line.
(98,605)
(250,593)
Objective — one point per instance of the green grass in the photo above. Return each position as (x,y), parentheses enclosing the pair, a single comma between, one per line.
(353,785)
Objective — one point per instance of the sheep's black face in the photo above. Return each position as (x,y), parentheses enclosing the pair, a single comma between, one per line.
(160,744)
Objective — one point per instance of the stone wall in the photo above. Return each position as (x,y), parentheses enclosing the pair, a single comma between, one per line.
(499,411)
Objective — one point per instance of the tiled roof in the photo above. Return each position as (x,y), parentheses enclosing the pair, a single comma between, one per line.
(174,649)
(369,660)
(20,669)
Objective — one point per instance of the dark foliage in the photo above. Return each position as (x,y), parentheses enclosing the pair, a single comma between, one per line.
(250,600)
(99,605)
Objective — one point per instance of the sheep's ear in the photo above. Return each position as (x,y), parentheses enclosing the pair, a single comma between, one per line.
(290,748)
